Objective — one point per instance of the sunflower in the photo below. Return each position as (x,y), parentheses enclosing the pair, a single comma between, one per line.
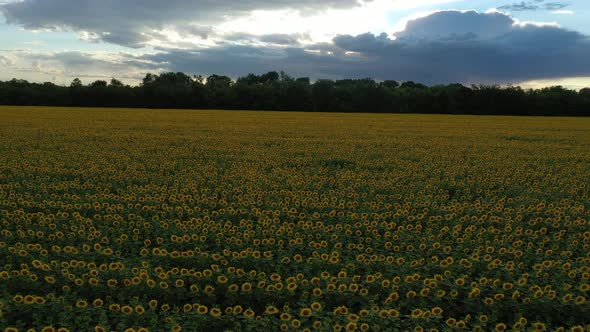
(248,313)
(305,312)
(246,287)
(127,310)
(416,313)
(451,322)
(539,326)
(393,313)
(215,312)
(316,306)
(271,310)
(500,327)
(202,310)
(81,304)
(153,304)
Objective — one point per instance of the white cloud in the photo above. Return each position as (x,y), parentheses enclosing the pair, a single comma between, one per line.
(140,23)
(575,83)
(322,26)
(535,24)
(34,43)
(563,12)
(6,62)
(46,66)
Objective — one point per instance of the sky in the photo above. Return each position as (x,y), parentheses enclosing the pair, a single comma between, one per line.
(533,43)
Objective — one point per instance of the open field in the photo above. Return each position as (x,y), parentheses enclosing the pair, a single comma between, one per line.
(265,221)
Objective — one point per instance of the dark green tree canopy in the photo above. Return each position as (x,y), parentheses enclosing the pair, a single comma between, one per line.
(115,83)
(279,91)
(76,83)
(98,84)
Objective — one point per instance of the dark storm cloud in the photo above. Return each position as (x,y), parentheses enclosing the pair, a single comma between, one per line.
(448,46)
(366,42)
(293,40)
(191,30)
(449,24)
(238,60)
(127,22)
(534,5)
(444,47)
(284,39)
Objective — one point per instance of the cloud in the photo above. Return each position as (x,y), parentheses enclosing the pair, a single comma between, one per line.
(5,62)
(46,66)
(284,39)
(150,23)
(576,83)
(534,5)
(563,12)
(192,30)
(444,47)
(458,24)
(237,60)
(475,47)
(130,22)
(555,6)
(279,39)
(447,46)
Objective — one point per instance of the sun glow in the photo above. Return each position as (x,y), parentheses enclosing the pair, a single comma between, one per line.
(576,83)
(324,25)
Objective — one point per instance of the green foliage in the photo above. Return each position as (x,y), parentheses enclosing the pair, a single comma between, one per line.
(279,91)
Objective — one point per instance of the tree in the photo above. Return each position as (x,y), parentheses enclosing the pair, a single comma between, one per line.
(250,79)
(115,83)
(178,80)
(279,91)
(322,91)
(19,83)
(219,92)
(304,80)
(390,84)
(413,85)
(149,79)
(295,95)
(98,84)
(269,78)
(285,77)
(218,82)
(76,83)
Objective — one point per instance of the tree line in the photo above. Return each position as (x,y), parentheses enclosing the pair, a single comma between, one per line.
(279,91)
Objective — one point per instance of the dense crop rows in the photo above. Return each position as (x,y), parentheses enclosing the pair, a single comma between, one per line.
(196,220)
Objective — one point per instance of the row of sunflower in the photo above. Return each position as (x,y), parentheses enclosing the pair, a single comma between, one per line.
(121,220)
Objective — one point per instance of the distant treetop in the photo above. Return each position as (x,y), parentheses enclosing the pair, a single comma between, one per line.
(279,91)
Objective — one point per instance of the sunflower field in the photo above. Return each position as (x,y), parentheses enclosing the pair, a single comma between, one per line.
(169,220)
